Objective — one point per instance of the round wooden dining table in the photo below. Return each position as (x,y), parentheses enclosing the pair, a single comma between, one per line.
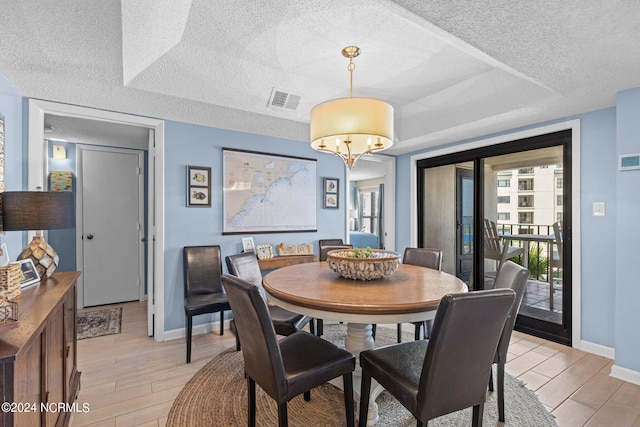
(411,294)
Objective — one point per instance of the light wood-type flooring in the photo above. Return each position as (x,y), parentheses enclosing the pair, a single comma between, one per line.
(128,379)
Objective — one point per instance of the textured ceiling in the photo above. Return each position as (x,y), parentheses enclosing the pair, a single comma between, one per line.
(451,69)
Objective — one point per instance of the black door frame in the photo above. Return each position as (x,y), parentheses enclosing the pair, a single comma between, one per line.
(461,174)
(561,333)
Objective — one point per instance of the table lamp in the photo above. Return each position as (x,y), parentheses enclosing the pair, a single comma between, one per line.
(38,210)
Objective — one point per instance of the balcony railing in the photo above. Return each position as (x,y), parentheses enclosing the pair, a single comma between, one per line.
(539,256)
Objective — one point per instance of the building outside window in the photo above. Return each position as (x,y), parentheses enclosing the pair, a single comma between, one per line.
(525,201)
(504,216)
(504,199)
(559,200)
(504,183)
(525,217)
(559,182)
(525,184)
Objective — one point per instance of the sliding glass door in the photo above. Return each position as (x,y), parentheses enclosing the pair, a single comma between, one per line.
(523,190)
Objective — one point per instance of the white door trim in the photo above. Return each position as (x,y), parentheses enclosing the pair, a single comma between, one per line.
(37,168)
(576,254)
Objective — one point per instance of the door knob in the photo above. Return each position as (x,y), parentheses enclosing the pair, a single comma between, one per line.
(89,236)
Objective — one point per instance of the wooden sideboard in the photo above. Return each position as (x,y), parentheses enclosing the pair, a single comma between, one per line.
(286,260)
(38,357)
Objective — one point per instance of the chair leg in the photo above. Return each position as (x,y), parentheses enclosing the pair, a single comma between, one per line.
(347,380)
(237,342)
(312,326)
(283,420)
(399,332)
(189,330)
(307,395)
(222,323)
(491,380)
(418,325)
(428,324)
(319,327)
(422,423)
(501,391)
(373,331)
(251,385)
(365,389)
(478,411)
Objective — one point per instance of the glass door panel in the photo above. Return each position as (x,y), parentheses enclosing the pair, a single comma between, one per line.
(524,198)
(448,221)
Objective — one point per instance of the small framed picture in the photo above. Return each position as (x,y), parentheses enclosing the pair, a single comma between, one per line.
(198,186)
(331,201)
(331,193)
(28,273)
(264,252)
(331,185)
(247,244)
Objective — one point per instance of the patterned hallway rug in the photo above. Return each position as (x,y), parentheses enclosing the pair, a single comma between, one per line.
(217,396)
(97,323)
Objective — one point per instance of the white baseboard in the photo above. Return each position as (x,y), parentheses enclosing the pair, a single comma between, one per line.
(203,328)
(625,374)
(597,349)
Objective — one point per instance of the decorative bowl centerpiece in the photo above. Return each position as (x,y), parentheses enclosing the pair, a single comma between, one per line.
(363,264)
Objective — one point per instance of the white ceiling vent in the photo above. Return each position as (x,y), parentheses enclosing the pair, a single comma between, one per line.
(281,100)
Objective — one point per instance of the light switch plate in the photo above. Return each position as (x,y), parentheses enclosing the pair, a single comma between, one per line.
(598,209)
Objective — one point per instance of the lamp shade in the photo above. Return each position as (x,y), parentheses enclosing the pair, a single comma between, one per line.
(366,122)
(37,210)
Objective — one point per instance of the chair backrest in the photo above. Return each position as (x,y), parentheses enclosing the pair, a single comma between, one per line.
(557,233)
(325,243)
(460,352)
(423,257)
(325,249)
(511,276)
(492,240)
(202,270)
(260,349)
(246,267)
(329,242)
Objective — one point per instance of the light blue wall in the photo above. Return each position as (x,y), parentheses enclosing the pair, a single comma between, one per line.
(187,144)
(11,109)
(609,282)
(598,184)
(627,318)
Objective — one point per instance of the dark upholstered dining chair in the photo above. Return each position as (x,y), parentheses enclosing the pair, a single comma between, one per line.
(246,267)
(449,371)
(325,246)
(428,258)
(289,367)
(203,291)
(514,277)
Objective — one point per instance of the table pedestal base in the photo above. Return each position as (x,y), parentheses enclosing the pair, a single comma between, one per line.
(360,338)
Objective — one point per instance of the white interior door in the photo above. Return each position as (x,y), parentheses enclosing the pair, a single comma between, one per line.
(111,213)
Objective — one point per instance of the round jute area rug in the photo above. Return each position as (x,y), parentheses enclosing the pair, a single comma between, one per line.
(217,396)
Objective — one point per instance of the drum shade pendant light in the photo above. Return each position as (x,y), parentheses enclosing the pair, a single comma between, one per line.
(352,127)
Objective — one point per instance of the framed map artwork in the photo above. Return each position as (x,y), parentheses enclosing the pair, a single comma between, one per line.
(268,193)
